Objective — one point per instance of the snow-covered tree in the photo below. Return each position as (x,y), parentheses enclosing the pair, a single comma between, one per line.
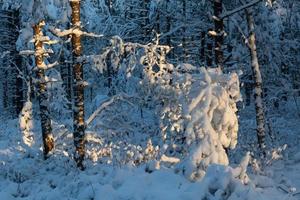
(40,53)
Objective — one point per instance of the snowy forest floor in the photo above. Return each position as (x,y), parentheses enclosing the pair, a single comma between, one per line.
(25,175)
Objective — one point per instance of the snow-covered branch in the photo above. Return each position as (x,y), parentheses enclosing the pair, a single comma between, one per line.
(229,13)
(120,96)
(73,31)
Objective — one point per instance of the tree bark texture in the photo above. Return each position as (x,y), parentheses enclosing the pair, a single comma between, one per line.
(48,140)
(78,88)
(260,115)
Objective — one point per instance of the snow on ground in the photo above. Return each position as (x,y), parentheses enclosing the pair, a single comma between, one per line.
(25,175)
(282,166)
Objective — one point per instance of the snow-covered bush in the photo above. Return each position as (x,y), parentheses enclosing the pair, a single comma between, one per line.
(26,124)
(200,120)
(188,112)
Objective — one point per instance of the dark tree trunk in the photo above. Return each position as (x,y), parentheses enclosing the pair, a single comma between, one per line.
(168,29)
(184,39)
(209,53)
(202,50)
(5,91)
(219,29)
(110,74)
(66,76)
(145,21)
(19,97)
(248,90)
(42,91)
(78,88)
(110,6)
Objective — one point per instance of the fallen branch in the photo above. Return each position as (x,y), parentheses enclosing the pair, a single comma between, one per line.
(105,104)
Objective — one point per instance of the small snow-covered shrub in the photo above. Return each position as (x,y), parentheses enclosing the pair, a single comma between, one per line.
(26,124)
(221,182)
(200,120)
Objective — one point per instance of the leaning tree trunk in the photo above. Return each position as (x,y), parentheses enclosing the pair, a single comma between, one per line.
(219,37)
(78,87)
(260,117)
(48,140)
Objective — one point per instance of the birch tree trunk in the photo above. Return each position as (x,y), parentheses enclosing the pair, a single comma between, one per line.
(78,87)
(48,140)
(260,115)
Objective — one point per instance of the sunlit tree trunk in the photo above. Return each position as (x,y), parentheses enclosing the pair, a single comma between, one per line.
(260,115)
(78,87)
(48,140)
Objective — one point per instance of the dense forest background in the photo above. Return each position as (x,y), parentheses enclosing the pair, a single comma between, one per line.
(176,85)
(182,25)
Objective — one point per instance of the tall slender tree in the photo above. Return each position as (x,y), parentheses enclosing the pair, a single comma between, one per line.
(78,86)
(260,116)
(40,53)
(184,38)
(219,33)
